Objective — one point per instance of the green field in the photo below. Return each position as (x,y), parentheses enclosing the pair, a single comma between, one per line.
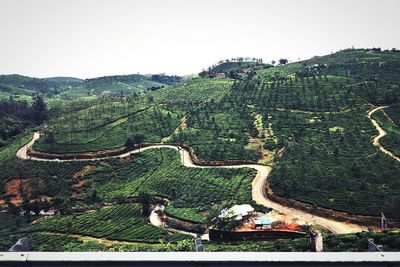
(121,222)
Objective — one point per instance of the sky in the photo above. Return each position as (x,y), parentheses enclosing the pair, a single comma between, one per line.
(91,38)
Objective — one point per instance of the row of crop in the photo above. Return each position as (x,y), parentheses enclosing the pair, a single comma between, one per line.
(187,188)
(306,96)
(198,89)
(190,214)
(153,124)
(330,161)
(121,222)
(190,187)
(330,171)
(93,116)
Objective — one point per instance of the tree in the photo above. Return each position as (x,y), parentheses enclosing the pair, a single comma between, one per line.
(138,138)
(50,139)
(283,61)
(145,200)
(39,108)
(130,143)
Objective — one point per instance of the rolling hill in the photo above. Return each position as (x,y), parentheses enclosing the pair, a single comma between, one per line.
(122,84)
(311,122)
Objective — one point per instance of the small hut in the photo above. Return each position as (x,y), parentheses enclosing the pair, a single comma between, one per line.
(237,212)
(263,223)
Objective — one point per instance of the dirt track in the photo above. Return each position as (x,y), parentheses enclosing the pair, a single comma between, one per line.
(381,134)
(258,185)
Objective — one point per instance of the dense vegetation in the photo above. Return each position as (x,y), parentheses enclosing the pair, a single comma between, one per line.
(391,140)
(125,85)
(121,222)
(17,115)
(358,242)
(306,119)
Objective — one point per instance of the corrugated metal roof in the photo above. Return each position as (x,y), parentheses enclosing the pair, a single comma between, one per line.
(263,221)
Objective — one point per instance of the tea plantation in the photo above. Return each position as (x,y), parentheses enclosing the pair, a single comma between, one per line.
(307,120)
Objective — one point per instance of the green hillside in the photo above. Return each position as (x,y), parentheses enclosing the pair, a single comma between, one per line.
(307,120)
(18,84)
(65,80)
(310,110)
(233,66)
(125,84)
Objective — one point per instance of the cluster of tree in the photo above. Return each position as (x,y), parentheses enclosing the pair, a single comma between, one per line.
(241,59)
(19,109)
(166,79)
(283,61)
(212,70)
(146,201)
(310,71)
(132,142)
(155,88)
(22,115)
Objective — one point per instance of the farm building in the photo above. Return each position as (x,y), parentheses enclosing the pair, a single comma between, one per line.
(263,223)
(237,212)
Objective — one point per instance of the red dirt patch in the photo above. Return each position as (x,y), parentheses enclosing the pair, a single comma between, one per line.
(79,185)
(14,188)
(293,227)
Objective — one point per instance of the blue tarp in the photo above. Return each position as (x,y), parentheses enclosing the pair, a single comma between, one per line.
(265,221)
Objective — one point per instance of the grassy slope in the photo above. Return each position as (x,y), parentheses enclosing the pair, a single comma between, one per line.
(128,85)
(329,159)
(63,233)
(235,66)
(97,127)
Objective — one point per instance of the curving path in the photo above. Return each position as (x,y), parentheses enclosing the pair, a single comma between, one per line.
(258,185)
(381,134)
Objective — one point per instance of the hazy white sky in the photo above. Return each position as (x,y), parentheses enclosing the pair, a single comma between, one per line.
(89,38)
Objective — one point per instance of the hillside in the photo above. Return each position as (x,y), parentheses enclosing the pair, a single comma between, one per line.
(64,80)
(305,111)
(233,68)
(24,86)
(322,127)
(123,84)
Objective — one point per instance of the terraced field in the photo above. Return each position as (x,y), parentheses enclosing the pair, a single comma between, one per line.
(328,128)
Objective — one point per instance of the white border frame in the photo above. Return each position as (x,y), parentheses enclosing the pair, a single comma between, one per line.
(199,257)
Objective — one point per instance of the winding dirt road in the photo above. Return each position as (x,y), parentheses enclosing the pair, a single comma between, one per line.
(381,134)
(258,185)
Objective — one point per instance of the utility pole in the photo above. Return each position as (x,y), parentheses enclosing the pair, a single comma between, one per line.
(383,221)
(372,247)
(20,246)
(199,245)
